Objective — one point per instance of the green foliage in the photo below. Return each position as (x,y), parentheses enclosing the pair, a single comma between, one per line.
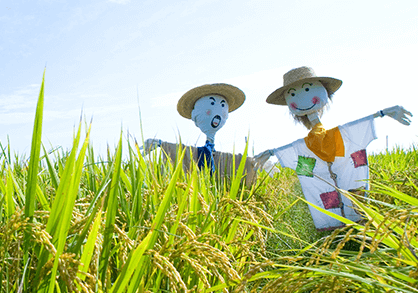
(378,254)
(397,169)
(71,222)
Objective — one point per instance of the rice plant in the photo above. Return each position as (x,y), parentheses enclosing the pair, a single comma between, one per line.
(379,254)
(75,223)
(72,221)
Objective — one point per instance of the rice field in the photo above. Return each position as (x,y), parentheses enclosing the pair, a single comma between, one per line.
(72,221)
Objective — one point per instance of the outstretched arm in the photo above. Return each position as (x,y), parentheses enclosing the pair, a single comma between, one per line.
(151,144)
(397,112)
(170,150)
(262,158)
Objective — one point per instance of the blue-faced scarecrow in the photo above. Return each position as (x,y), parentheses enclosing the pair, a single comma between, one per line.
(326,159)
(208,106)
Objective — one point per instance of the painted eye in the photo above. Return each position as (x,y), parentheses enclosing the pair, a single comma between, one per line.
(293,94)
(223,105)
(307,89)
(213,103)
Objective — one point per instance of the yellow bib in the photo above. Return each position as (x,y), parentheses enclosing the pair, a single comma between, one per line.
(326,144)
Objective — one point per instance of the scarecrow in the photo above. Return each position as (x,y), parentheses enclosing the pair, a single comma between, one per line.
(208,107)
(326,159)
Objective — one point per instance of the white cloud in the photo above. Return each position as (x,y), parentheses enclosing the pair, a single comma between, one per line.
(16,118)
(20,99)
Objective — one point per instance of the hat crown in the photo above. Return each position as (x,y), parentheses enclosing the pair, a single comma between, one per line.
(298,74)
(233,96)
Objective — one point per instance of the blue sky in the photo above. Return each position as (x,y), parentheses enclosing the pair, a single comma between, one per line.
(107,59)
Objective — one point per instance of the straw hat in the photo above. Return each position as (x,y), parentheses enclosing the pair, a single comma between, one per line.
(233,96)
(302,73)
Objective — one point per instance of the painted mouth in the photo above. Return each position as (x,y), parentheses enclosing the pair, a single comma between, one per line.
(216,120)
(300,109)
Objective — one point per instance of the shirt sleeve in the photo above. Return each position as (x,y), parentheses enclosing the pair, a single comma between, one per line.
(287,156)
(360,132)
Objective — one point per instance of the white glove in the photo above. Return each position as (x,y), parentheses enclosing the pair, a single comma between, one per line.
(262,158)
(151,144)
(398,113)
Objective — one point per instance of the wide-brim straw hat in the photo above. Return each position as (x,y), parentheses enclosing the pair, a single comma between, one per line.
(233,96)
(302,73)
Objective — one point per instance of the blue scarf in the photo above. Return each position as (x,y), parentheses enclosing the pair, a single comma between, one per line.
(204,154)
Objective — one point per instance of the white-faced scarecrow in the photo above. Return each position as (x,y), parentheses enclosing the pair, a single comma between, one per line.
(208,106)
(326,158)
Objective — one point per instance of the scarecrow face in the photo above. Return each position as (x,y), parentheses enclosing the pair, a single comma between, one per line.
(210,114)
(306,97)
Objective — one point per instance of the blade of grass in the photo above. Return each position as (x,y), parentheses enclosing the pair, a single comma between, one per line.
(89,247)
(236,179)
(65,219)
(10,204)
(63,188)
(91,212)
(52,173)
(42,199)
(135,258)
(58,205)
(112,206)
(395,193)
(271,230)
(31,182)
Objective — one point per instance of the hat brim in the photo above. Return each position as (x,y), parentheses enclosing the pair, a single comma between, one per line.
(278,98)
(233,96)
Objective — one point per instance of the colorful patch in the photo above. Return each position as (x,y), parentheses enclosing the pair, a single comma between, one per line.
(305,166)
(359,158)
(330,200)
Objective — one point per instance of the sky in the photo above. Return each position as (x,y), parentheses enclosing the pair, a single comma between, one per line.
(109,60)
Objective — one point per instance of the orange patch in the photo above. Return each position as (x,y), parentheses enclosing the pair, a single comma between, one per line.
(326,144)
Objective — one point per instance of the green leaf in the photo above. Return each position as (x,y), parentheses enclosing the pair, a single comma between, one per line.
(64,220)
(112,206)
(236,180)
(134,260)
(10,204)
(32,179)
(53,174)
(34,155)
(395,193)
(89,246)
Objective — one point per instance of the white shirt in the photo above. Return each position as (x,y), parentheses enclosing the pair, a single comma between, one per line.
(352,170)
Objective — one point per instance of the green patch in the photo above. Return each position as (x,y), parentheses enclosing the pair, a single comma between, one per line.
(305,166)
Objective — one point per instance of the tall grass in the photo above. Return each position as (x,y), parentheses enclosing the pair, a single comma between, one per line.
(378,254)
(397,169)
(72,221)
